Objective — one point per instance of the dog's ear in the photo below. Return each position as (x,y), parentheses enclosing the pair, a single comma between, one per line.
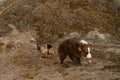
(90,44)
(81,44)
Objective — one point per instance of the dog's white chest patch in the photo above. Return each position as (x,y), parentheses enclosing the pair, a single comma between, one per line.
(89,54)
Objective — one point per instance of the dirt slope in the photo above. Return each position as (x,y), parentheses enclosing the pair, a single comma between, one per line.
(23,63)
(95,20)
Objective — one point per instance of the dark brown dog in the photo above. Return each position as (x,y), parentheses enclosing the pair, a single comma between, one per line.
(74,48)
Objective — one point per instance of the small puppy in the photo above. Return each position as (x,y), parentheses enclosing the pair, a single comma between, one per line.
(46,50)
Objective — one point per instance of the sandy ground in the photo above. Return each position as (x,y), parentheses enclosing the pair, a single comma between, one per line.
(24,64)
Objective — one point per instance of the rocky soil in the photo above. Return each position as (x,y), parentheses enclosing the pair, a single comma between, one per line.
(21,61)
(22,21)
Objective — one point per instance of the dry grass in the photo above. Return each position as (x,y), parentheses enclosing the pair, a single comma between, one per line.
(54,18)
